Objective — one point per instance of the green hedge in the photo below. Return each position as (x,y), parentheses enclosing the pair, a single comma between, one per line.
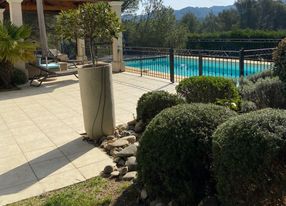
(216,90)
(249,159)
(152,103)
(175,151)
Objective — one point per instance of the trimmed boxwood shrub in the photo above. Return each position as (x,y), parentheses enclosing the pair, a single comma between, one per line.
(216,90)
(249,159)
(248,106)
(152,103)
(18,77)
(268,92)
(279,58)
(175,149)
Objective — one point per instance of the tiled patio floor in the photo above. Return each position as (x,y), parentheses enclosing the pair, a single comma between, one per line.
(40,144)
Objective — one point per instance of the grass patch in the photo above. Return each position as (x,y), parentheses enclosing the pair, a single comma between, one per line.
(94,192)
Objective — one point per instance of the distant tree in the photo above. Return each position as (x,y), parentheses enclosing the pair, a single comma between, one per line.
(228,20)
(191,22)
(153,28)
(177,37)
(210,23)
(247,10)
(130,5)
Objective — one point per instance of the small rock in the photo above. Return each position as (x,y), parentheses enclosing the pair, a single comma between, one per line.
(119,143)
(133,122)
(115,174)
(116,159)
(113,152)
(139,127)
(121,163)
(128,151)
(143,194)
(129,176)
(103,144)
(108,169)
(126,133)
(131,163)
(123,170)
(122,127)
(136,144)
(131,139)
(110,137)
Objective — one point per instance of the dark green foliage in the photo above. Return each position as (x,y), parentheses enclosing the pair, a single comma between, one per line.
(194,43)
(174,153)
(19,77)
(249,159)
(279,58)
(248,106)
(217,90)
(152,103)
(268,92)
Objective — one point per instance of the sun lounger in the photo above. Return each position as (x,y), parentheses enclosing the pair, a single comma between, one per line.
(45,73)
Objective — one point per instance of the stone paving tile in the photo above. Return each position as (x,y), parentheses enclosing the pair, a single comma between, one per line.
(40,144)
(62,180)
(94,169)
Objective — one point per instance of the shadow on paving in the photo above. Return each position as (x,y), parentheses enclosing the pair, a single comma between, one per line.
(22,176)
(47,87)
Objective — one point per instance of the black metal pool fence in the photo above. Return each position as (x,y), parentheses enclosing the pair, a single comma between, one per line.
(177,64)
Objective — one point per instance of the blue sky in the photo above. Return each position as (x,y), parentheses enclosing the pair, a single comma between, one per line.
(179,4)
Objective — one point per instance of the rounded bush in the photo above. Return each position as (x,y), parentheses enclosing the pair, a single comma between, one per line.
(248,106)
(261,75)
(249,159)
(217,90)
(175,149)
(279,58)
(18,77)
(268,92)
(152,103)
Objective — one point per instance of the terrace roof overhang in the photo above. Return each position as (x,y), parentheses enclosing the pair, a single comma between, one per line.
(49,5)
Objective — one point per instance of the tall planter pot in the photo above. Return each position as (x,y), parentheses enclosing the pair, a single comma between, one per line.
(97,100)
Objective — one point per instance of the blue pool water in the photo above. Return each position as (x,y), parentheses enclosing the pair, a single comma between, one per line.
(186,66)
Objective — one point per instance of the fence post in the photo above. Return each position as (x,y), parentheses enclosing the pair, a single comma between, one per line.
(141,64)
(200,65)
(172,65)
(241,62)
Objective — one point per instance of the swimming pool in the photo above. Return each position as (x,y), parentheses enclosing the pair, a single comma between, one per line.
(189,66)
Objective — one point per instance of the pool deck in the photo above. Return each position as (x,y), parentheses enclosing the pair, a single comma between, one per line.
(41,148)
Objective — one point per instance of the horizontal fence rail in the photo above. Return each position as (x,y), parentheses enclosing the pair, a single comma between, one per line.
(178,64)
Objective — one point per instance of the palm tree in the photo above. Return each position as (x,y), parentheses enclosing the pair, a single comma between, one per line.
(14,47)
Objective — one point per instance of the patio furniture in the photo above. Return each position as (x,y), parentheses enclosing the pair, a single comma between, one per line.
(56,54)
(63,66)
(45,73)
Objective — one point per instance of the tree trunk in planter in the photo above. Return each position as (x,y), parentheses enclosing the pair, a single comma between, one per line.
(97,100)
(5,75)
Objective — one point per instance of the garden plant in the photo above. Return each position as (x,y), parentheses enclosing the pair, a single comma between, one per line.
(15,46)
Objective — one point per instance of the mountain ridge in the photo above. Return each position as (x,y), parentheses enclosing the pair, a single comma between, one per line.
(201,12)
